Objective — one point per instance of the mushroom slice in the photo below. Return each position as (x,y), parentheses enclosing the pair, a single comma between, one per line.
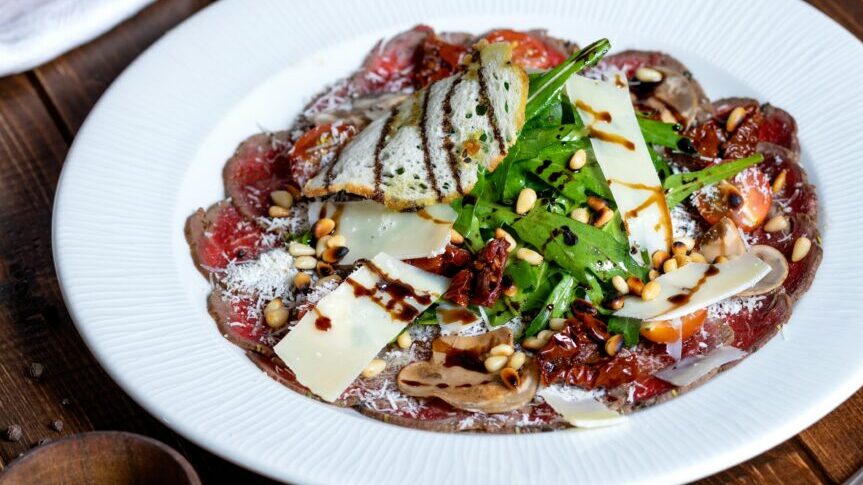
(456,374)
(723,239)
(466,389)
(778,270)
(682,94)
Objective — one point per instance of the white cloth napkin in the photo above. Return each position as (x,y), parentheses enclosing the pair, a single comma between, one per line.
(36,31)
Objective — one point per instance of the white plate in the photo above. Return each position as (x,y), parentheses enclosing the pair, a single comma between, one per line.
(153,148)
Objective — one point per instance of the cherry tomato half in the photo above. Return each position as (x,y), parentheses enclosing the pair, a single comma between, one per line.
(664,332)
(319,142)
(528,51)
(745,199)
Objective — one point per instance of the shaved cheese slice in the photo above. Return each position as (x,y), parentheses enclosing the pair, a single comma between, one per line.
(580,408)
(333,343)
(696,286)
(453,318)
(694,368)
(371,228)
(621,152)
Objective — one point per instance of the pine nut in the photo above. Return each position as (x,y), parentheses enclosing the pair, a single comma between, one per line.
(278,211)
(502,349)
(545,336)
(776,224)
(679,247)
(321,245)
(324,269)
(516,360)
(455,237)
(305,262)
(331,278)
(300,249)
(651,290)
(669,265)
(302,280)
(510,378)
(681,260)
(658,258)
(666,116)
(533,343)
(613,345)
(339,240)
(620,284)
(282,198)
(801,248)
(605,215)
(652,275)
(323,227)
(500,233)
(404,340)
(375,367)
(532,257)
(510,291)
(596,203)
(648,75)
(697,257)
(779,181)
(495,363)
(578,160)
(616,303)
(688,242)
(526,201)
(557,324)
(580,214)
(275,314)
(635,285)
(734,119)
(720,260)
(334,255)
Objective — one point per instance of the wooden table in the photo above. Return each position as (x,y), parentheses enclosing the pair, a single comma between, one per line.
(40,113)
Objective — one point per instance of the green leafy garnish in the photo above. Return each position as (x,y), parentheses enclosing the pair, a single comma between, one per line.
(659,133)
(544,88)
(680,186)
(577,247)
(555,305)
(629,327)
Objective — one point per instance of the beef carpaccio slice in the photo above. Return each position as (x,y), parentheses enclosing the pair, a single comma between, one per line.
(228,232)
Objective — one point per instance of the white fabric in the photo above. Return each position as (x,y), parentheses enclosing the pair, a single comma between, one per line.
(36,31)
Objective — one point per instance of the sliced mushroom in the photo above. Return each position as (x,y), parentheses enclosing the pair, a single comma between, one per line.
(778,270)
(683,95)
(467,389)
(723,239)
(456,374)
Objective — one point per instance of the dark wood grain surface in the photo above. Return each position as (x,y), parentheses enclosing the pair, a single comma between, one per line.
(40,112)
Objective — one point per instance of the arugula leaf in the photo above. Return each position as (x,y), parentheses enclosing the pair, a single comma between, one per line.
(592,249)
(428,317)
(302,238)
(554,307)
(545,88)
(680,186)
(629,327)
(660,133)
(659,163)
(574,185)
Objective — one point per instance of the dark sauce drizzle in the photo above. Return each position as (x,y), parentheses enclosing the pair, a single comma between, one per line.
(657,196)
(681,299)
(447,126)
(427,161)
(398,306)
(322,322)
(492,118)
(379,166)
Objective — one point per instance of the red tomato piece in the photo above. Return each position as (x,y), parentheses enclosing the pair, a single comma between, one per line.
(528,51)
(745,199)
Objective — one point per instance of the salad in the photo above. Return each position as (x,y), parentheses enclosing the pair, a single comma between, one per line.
(508,233)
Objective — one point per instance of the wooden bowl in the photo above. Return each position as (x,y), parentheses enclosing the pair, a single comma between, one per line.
(101,457)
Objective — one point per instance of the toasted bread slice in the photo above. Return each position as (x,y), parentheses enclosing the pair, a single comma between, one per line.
(429,148)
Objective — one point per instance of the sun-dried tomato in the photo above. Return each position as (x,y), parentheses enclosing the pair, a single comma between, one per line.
(447,263)
(574,356)
(436,59)
(488,272)
(459,288)
(707,138)
(742,142)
